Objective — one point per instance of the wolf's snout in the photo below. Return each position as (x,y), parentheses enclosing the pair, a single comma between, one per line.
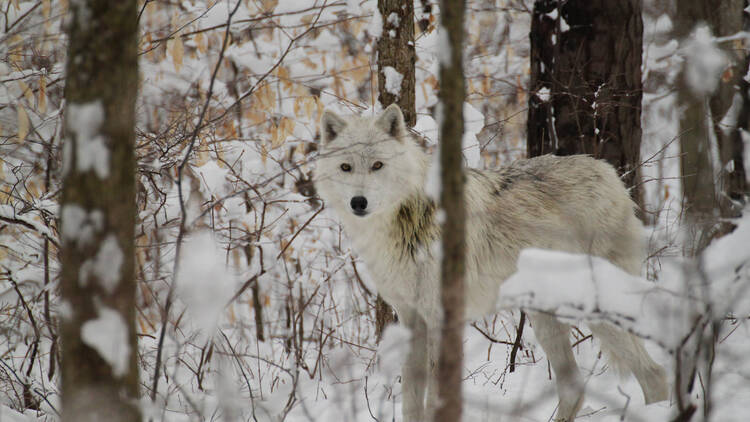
(359,204)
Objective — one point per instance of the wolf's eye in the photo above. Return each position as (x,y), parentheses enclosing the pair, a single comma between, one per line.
(346,167)
(377,165)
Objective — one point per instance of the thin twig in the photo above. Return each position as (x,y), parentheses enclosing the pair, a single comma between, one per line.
(489,337)
(517,343)
(299,231)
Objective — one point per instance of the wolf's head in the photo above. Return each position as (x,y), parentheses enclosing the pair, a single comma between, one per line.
(368,165)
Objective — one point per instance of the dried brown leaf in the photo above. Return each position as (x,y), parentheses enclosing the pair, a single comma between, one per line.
(27,92)
(177,51)
(23,123)
(200,42)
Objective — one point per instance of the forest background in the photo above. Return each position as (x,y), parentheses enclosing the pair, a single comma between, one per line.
(269,315)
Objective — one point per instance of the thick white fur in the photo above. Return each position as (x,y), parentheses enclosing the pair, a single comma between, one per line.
(575,204)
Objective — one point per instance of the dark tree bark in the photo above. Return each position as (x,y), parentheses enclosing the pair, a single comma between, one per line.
(452,95)
(98,213)
(585,83)
(396,49)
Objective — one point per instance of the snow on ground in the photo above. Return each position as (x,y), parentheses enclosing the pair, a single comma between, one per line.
(9,415)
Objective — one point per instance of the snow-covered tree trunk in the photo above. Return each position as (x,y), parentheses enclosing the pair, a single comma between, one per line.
(585,85)
(98,213)
(451,121)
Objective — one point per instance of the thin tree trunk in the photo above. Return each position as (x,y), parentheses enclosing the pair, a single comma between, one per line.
(704,202)
(700,205)
(452,94)
(585,83)
(395,49)
(709,193)
(99,364)
(732,97)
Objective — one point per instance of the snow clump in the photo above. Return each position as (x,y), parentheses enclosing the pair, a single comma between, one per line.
(392,80)
(84,121)
(108,335)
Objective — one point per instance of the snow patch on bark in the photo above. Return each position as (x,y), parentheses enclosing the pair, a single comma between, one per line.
(393,19)
(704,61)
(84,121)
(108,335)
(393,80)
(105,266)
(79,226)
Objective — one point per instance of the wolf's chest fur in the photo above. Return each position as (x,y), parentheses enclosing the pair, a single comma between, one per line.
(396,248)
(414,226)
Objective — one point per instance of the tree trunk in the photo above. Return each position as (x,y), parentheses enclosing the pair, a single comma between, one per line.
(395,49)
(706,197)
(699,198)
(700,125)
(452,270)
(698,195)
(99,364)
(728,19)
(585,83)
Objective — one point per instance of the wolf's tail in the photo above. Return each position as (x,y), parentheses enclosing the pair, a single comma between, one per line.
(627,353)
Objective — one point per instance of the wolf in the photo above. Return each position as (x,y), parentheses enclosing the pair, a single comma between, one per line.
(372,173)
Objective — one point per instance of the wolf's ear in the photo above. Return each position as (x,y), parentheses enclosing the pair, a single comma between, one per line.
(330,126)
(392,121)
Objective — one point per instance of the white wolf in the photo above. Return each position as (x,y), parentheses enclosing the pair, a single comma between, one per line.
(373,174)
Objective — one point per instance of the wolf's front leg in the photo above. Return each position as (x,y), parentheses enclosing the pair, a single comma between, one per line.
(415,372)
(433,354)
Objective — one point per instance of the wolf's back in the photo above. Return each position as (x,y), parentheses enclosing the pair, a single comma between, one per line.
(574,204)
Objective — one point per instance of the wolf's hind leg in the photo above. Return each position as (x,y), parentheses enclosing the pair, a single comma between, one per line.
(627,353)
(554,337)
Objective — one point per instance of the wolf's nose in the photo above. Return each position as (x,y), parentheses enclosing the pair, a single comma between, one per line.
(359,204)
